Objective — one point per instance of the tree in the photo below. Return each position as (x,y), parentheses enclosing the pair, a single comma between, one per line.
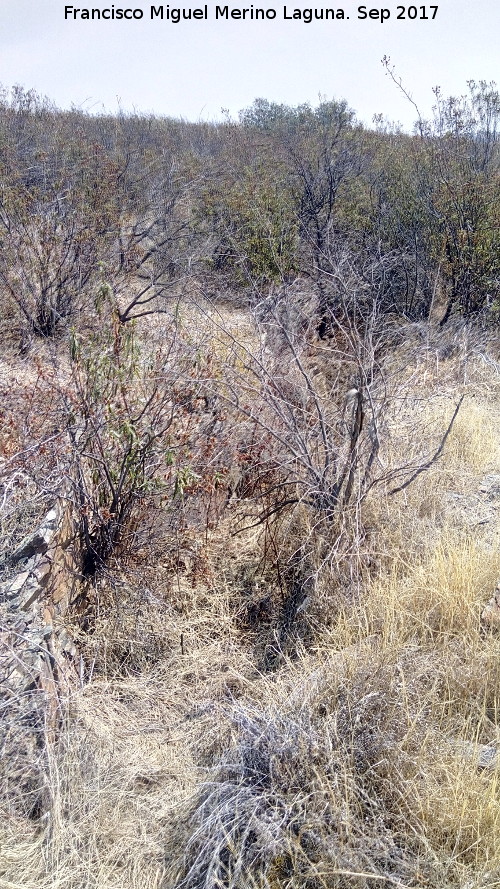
(54,225)
(322,150)
(455,194)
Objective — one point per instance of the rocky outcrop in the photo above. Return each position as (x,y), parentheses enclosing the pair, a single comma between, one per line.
(37,656)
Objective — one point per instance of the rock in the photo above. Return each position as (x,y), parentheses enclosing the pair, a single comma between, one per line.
(37,543)
(20,626)
(49,524)
(490,616)
(30,593)
(12,588)
(490,486)
(44,575)
(483,756)
(31,546)
(44,570)
(488,757)
(33,659)
(66,643)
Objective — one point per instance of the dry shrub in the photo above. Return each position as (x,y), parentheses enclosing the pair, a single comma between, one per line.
(417,420)
(473,445)
(180,766)
(22,855)
(286,807)
(338,771)
(163,613)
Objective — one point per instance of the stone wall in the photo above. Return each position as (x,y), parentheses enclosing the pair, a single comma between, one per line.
(37,656)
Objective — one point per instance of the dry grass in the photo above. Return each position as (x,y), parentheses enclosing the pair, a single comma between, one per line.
(474,443)
(121,766)
(340,773)
(461,811)
(182,763)
(439,597)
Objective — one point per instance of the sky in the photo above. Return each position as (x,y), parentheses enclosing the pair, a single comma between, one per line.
(195,68)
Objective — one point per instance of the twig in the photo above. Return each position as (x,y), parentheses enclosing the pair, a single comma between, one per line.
(436,455)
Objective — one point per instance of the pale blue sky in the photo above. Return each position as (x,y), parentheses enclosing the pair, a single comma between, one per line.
(194,69)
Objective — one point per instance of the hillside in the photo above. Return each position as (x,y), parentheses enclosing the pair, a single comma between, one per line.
(250,501)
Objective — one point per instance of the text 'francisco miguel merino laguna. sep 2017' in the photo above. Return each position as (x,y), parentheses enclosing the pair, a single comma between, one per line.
(251,13)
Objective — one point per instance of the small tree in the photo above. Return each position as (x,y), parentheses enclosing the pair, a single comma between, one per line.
(254,223)
(455,194)
(321,149)
(54,226)
(123,425)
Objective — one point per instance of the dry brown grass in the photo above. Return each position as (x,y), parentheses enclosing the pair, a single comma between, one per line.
(182,764)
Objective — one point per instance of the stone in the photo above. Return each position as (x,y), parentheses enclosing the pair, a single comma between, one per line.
(66,643)
(490,486)
(30,594)
(12,588)
(49,524)
(490,616)
(483,756)
(488,757)
(43,571)
(39,542)
(31,546)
